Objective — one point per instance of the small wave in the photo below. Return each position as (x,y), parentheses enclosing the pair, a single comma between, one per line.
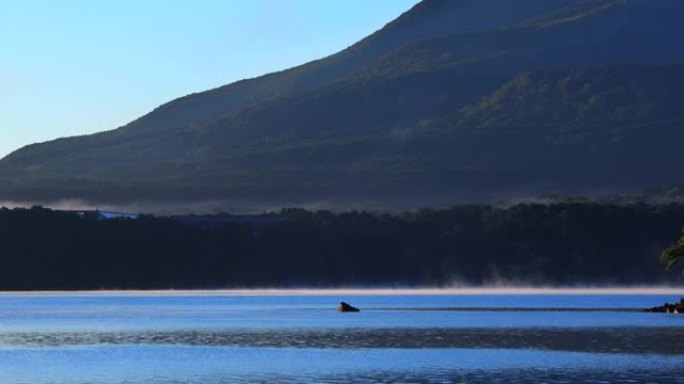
(664,341)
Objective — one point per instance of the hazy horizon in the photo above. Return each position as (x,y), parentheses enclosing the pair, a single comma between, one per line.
(360,291)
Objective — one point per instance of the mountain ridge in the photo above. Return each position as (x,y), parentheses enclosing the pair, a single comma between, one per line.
(373,133)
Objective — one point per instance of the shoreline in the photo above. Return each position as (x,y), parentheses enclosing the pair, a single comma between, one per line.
(617,291)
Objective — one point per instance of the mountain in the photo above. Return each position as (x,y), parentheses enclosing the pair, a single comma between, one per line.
(454,101)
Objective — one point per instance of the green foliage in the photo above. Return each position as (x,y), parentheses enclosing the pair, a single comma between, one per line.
(674,254)
(608,99)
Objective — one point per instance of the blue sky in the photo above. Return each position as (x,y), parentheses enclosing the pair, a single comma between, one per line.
(71,67)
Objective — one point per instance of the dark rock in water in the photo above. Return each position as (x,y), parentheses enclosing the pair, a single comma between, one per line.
(344,307)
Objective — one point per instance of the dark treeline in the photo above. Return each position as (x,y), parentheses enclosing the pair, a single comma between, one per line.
(557,244)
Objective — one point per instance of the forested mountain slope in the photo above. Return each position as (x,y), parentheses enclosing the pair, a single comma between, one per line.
(453,101)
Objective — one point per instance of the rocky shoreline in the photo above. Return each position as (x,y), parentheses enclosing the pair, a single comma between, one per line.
(668,308)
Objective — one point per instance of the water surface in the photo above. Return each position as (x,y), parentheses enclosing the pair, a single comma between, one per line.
(210,338)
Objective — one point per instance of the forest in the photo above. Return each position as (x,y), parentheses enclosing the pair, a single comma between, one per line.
(560,244)
(452,102)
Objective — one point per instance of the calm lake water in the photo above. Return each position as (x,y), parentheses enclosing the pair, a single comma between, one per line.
(173,339)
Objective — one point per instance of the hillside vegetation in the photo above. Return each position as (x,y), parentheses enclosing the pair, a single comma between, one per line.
(454,101)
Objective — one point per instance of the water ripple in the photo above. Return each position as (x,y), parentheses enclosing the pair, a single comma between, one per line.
(664,341)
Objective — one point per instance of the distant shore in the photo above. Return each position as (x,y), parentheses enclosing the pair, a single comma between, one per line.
(377,291)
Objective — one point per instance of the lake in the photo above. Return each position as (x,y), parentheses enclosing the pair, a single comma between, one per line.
(299,337)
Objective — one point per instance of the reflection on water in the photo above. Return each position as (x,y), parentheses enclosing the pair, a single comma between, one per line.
(220,365)
(668,341)
(107,339)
